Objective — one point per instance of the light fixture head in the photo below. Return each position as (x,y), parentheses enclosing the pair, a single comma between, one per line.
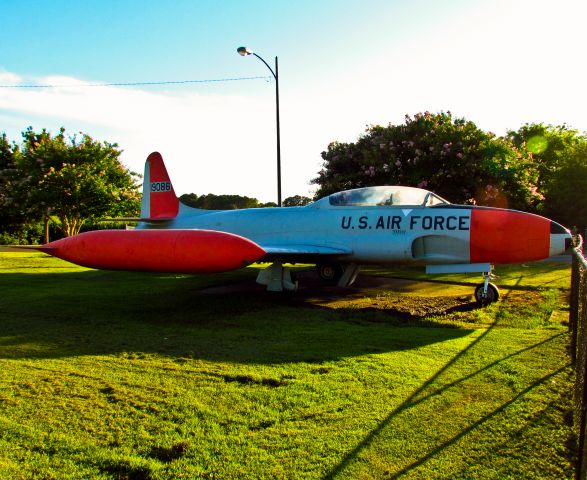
(243,51)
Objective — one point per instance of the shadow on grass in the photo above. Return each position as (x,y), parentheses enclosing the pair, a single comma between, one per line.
(541,381)
(427,391)
(430,389)
(99,312)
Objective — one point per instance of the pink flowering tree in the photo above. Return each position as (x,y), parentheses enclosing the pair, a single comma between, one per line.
(447,155)
(73,180)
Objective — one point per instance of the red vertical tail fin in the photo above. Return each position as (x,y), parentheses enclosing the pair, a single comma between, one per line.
(159,200)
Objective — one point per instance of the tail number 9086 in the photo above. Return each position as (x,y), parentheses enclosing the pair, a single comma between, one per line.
(161,186)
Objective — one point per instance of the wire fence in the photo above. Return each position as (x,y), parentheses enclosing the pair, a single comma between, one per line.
(578,329)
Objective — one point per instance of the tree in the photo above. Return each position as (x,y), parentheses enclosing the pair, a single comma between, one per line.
(549,146)
(14,227)
(73,180)
(566,197)
(296,201)
(450,156)
(559,161)
(8,214)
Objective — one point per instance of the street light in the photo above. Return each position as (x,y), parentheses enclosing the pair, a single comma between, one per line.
(244,51)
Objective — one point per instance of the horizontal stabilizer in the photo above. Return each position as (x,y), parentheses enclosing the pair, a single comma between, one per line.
(41,248)
(135,219)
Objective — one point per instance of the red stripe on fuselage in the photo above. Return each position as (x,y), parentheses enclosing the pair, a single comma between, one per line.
(506,236)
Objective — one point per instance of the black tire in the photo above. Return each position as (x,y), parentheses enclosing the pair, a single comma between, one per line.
(330,272)
(491,296)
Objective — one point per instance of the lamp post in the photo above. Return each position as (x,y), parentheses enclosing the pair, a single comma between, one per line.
(244,51)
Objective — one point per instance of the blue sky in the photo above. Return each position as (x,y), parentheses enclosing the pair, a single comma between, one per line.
(342,65)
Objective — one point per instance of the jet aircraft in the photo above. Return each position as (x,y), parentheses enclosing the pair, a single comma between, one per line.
(339,233)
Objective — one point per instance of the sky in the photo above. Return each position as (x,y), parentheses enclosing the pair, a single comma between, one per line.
(343,65)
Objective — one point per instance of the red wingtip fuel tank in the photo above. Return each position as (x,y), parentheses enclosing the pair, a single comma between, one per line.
(170,251)
(508,236)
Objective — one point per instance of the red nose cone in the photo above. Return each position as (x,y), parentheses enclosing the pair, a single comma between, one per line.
(506,236)
(172,251)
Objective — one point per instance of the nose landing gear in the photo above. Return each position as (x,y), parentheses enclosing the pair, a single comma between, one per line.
(487,292)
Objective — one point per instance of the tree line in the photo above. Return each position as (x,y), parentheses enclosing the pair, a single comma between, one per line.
(63,183)
(537,168)
(211,201)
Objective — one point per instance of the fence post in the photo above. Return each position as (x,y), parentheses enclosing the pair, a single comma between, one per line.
(574,305)
(578,328)
(582,370)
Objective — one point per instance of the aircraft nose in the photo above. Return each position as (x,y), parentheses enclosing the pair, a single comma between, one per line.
(560,239)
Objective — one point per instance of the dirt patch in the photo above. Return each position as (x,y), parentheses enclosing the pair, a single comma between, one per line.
(408,307)
(409,299)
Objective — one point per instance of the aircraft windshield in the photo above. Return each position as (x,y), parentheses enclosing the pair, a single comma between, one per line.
(385,196)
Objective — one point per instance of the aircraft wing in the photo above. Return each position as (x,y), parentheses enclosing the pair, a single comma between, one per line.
(304,250)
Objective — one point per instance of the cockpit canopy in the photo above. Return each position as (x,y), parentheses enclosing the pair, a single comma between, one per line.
(392,196)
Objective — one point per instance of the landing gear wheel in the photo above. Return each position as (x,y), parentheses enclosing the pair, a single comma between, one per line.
(329,272)
(491,296)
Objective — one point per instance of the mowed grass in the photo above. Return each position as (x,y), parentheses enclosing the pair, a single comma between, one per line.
(143,376)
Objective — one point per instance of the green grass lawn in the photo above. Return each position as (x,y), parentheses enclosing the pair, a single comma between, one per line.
(144,376)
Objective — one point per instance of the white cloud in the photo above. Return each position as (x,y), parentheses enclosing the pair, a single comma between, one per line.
(8,78)
(211,143)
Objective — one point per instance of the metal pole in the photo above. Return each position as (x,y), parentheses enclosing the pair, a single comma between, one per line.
(278,134)
(244,51)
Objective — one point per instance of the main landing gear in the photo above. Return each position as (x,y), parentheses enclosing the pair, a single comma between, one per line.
(487,292)
(337,274)
(278,278)
(329,272)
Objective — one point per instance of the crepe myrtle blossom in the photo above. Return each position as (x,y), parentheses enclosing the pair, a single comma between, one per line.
(534,191)
(491,192)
